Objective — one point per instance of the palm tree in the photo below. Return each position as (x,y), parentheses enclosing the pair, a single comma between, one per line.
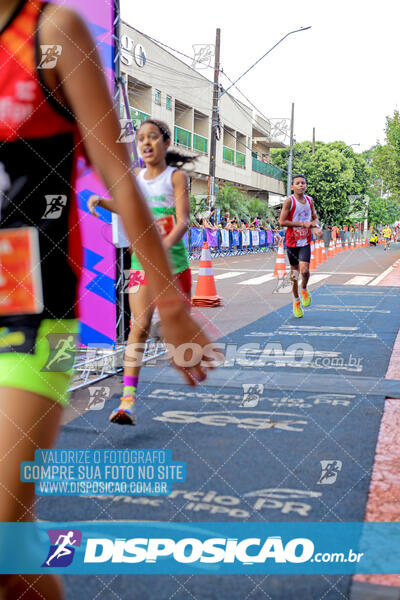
(232,200)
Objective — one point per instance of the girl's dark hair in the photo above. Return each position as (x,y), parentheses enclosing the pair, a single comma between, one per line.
(175,157)
(298,175)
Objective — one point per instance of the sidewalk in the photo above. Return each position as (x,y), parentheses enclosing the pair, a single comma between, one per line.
(384,496)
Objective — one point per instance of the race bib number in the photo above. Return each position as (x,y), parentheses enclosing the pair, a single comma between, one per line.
(300,233)
(20,273)
(165,225)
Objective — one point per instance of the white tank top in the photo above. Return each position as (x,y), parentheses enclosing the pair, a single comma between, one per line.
(159,192)
(159,195)
(299,212)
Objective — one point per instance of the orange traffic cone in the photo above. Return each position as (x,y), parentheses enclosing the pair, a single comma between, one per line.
(358,243)
(352,244)
(206,292)
(346,245)
(331,250)
(313,264)
(323,253)
(318,253)
(338,245)
(280,264)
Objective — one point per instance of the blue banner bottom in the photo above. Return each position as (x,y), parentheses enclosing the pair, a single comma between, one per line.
(193,548)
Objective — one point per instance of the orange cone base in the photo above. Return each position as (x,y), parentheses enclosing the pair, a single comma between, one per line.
(207,301)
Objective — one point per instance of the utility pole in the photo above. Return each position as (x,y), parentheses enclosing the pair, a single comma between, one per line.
(290,165)
(214,121)
(313,140)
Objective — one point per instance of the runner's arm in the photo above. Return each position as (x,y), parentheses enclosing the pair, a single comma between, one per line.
(315,227)
(106,203)
(82,77)
(80,71)
(95,201)
(182,209)
(314,216)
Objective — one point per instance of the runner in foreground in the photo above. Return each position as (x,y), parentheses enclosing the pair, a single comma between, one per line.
(166,190)
(47,116)
(299,216)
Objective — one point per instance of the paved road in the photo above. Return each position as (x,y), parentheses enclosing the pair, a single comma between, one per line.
(317,396)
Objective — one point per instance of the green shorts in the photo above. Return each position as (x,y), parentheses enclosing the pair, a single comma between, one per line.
(38,357)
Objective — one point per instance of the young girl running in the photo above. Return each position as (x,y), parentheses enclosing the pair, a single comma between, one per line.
(46,116)
(165,188)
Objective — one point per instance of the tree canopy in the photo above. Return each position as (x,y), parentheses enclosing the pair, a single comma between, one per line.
(337,178)
(385,167)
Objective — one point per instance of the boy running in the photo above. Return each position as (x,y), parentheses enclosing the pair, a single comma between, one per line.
(299,216)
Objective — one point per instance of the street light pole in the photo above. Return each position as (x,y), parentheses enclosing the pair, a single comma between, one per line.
(349,146)
(218,94)
(214,122)
(290,164)
(264,55)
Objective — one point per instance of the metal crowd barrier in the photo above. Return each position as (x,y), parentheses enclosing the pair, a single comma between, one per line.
(224,242)
(95,364)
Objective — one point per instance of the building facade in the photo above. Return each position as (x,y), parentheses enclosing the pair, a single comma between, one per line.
(162,86)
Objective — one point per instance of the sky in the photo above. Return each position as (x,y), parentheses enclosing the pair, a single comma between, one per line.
(342,74)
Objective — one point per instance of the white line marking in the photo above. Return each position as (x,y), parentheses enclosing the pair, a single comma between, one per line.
(312,334)
(338,272)
(229,274)
(317,277)
(345,293)
(313,279)
(344,308)
(259,270)
(382,275)
(319,327)
(359,280)
(257,280)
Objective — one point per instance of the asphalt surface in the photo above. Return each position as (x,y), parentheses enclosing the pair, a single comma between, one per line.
(258,435)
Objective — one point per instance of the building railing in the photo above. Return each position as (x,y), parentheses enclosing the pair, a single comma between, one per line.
(265,169)
(228,155)
(182,137)
(240,160)
(137,115)
(200,143)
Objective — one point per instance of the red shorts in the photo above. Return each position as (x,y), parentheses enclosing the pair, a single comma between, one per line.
(184,279)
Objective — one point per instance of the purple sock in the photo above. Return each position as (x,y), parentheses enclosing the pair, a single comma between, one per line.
(131,381)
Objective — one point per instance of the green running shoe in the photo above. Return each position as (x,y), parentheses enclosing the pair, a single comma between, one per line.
(305,298)
(297,310)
